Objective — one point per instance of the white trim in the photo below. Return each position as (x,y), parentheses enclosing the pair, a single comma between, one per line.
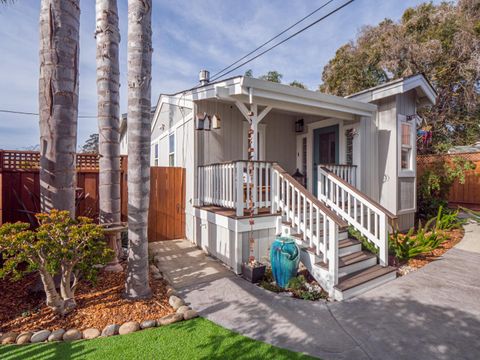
(310,142)
(174,134)
(395,87)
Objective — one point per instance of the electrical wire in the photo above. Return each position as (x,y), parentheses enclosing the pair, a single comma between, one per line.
(284,40)
(36,114)
(273,38)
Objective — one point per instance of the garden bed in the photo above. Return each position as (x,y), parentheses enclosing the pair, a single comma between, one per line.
(453,237)
(302,287)
(98,305)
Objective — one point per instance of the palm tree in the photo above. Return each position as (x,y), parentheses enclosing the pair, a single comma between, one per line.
(139,119)
(58,102)
(108,86)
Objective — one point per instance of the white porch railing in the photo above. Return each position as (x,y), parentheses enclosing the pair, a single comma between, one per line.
(363,213)
(345,172)
(230,185)
(318,224)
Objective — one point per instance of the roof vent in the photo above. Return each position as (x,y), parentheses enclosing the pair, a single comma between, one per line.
(204,77)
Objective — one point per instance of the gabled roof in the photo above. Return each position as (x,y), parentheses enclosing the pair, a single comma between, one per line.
(279,96)
(419,82)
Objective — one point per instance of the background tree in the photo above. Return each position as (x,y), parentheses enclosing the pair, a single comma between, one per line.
(441,41)
(58,102)
(139,121)
(91,145)
(298,84)
(273,76)
(248,73)
(108,87)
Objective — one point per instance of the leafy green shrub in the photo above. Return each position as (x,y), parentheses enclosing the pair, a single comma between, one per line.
(366,245)
(448,220)
(60,245)
(271,286)
(408,246)
(436,182)
(300,289)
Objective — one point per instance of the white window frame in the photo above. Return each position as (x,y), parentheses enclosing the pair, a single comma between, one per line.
(156,152)
(170,153)
(410,171)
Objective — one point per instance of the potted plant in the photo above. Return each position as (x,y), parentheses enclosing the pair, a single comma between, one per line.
(253,270)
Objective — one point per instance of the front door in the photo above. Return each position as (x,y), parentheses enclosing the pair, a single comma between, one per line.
(325,150)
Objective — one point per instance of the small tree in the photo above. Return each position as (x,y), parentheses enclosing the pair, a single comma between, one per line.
(60,245)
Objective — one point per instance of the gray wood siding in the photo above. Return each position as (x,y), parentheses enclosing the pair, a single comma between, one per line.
(224,144)
(387,153)
(406,105)
(281,140)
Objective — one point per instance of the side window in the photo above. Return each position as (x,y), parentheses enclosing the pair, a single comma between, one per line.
(155,158)
(407,146)
(171,149)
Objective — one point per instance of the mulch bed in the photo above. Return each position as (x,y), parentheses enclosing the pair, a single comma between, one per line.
(453,237)
(98,305)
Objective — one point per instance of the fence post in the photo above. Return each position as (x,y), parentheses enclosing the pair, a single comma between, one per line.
(273,190)
(239,187)
(333,251)
(383,248)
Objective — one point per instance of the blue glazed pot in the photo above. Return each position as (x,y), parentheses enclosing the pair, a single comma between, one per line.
(284,257)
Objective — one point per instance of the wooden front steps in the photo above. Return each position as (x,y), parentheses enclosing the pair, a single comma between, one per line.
(363,280)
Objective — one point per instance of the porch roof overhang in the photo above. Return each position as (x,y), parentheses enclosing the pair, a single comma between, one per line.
(283,97)
(425,91)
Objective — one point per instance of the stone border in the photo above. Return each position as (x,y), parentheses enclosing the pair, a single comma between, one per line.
(182,312)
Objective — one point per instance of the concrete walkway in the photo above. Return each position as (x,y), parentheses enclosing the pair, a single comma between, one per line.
(433,313)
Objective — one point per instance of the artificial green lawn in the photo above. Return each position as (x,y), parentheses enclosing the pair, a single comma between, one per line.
(194,339)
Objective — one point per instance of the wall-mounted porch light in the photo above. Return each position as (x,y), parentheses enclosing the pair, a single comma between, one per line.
(216,121)
(299,126)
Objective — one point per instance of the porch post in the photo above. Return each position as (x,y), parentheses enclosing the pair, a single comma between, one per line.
(254,131)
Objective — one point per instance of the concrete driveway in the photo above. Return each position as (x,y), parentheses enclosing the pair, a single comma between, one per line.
(433,313)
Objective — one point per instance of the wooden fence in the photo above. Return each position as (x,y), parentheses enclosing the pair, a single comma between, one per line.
(467,194)
(20,192)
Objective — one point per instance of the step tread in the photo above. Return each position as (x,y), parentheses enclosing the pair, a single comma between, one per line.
(347,242)
(350,259)
(363,276)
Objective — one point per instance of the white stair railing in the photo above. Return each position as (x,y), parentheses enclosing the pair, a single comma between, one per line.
(318,225)
(364,214)
(229,185)
(344,171)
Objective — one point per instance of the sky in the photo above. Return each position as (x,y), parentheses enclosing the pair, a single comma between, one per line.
(188,36)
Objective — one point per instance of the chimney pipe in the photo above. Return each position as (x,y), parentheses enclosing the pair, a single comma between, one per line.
(204,77)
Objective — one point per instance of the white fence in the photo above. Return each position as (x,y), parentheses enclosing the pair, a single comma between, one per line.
(363,213)
(318,224)
(345,172)
(231,185)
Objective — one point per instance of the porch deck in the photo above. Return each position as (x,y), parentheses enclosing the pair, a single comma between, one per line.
(231,213)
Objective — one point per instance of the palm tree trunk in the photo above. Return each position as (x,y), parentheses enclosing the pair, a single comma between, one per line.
(58,102)
(139,121)
(108,86)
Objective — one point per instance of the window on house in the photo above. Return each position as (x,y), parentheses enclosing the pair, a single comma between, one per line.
(349,145)
(171,150)
(407,146)
(155,158)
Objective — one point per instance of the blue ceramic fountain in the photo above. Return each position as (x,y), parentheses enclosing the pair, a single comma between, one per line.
(284,257)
